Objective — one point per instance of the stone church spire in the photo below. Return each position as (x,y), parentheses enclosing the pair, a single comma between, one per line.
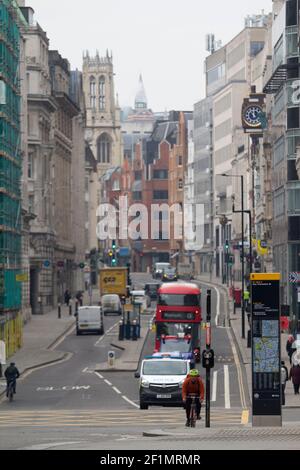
(141,98)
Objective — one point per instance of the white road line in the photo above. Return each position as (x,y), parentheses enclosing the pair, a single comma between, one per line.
(227,388)
(108,382)
(129,401)
(105,334)
(218,306)
(117,390)
(85,370)
(214,390)
(99,375)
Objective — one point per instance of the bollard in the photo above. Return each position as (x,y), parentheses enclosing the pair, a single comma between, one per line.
(134,331)
(59,310)
(121,331)
(111,358)
(70,309)
(76,306)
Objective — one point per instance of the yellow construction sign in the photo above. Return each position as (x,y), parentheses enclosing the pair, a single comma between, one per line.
(22,277)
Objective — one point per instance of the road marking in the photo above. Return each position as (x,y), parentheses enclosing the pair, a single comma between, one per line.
(117,390)
(239,371)
(108,382)
(50,445)
(129,401)
(245,417)
(218,307)
(214,390)
(226,387)
(105,334)
(99,375)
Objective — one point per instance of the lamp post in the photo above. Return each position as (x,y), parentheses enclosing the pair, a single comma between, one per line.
(243,211)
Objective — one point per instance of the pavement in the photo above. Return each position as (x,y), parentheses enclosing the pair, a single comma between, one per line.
(43,334)
(292,400)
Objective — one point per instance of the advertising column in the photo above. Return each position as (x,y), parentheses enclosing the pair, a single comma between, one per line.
(266,356)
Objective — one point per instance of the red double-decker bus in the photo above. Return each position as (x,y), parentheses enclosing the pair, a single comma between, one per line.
(178,311)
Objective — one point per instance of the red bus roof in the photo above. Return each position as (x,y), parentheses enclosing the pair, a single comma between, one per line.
(180,288)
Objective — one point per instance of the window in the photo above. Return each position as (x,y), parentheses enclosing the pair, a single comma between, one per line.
(158,195)
(93,92)
(278,53)
(292,171)
(294,200)
(291,13)
(279,151)
(215,74)
(30,167)
(160,174)
(180,160)
(294,229)
(104,149)
(180,183)
(256,47)
(102,93)
(279,205)
(138,176)
(137,195)
(293,118)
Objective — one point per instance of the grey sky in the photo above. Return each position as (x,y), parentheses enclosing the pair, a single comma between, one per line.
(162,39)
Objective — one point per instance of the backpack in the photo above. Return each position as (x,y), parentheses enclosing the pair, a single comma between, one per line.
(284,375)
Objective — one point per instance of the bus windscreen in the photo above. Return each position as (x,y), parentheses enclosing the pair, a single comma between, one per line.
(179,300)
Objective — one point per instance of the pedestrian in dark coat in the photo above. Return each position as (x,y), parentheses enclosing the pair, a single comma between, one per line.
(284,379)
(290,347)
(295,376)
(67,297)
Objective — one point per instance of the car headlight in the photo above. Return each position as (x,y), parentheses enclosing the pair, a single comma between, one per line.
(145,384)
(181,384)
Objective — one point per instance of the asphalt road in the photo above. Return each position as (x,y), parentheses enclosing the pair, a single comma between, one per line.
(71,403)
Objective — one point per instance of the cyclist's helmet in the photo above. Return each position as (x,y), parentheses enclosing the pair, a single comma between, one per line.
(194,373)
(12,363)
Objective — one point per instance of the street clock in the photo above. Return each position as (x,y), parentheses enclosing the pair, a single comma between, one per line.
(252,116)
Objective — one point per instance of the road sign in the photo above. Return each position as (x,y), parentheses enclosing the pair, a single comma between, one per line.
(128,308)
(60,264)
(47,263)
(294,278)
(266,357)
(22,277)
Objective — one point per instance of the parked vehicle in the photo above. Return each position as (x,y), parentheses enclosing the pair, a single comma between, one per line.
(161,380)
(111,304)
(169,275)
(139,298)
(158,269)
(89,320)
(151,290)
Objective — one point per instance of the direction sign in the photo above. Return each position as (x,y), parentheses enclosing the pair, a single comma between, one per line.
(46,263)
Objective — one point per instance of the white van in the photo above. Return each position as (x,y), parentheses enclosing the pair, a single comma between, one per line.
(90,320)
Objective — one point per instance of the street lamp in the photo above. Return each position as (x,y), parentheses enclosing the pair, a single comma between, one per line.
(243,211)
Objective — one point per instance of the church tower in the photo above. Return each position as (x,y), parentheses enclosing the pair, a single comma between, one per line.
(103,128)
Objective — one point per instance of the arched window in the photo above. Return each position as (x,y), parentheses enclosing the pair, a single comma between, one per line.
(104,149)
(93,92)
(102,93)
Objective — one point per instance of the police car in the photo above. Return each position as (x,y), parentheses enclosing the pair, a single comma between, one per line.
(161,380)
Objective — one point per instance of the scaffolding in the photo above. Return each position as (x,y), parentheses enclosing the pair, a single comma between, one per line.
(11,20)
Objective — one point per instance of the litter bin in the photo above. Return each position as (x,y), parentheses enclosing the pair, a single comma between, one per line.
(249,339)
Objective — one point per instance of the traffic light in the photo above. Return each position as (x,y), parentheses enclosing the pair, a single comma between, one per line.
(227,245)
(110,253)
(114,246)
(113,261)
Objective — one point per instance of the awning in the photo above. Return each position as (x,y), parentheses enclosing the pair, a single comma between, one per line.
(279,77)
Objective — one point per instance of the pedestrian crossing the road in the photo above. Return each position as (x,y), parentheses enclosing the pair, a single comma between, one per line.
(118,418)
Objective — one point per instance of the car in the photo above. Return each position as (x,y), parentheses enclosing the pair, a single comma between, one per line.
(169,275)
(151,290)
(159,268)
(161,379)
(111,304)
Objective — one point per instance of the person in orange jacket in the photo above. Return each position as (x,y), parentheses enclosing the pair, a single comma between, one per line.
(193,385)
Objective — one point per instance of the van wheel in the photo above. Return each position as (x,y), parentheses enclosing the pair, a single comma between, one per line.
(101,332)
(143,406)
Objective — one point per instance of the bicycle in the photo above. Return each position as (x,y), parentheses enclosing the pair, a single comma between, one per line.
(193,411)
(10,390)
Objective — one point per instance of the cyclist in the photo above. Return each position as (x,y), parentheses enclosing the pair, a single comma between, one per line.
(11,375)
(193,385)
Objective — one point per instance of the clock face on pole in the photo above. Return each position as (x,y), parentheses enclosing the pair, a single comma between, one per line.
(252,116)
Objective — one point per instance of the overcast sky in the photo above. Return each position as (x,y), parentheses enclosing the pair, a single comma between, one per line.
(162,39)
